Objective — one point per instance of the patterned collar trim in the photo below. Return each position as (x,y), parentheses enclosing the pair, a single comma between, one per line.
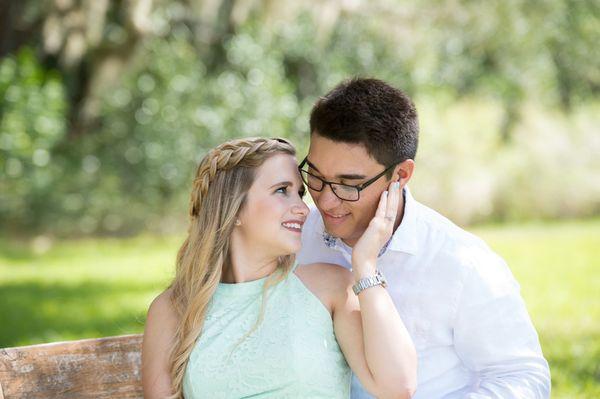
(329,240)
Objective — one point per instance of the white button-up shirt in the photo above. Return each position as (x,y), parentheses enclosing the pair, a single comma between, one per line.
(459,302)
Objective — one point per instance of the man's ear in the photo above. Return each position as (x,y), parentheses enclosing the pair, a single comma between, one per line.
(403,172)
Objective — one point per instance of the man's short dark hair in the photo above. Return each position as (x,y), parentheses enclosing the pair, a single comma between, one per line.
(372,113)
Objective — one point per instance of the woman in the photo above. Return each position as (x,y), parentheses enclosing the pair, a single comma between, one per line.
(240,320)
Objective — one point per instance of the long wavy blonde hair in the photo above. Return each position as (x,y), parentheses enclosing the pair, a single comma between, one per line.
(220,187)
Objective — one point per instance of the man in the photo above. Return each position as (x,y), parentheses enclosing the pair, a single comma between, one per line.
(457,298)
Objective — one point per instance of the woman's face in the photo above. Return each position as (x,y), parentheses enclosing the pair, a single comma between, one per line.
(273,214)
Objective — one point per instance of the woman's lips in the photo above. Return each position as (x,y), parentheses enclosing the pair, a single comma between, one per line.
(295,226)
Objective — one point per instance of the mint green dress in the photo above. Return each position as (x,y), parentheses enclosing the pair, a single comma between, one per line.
(292,354)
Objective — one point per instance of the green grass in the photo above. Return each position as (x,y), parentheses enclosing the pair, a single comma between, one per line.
(558,267)
(101,287)
(79,289)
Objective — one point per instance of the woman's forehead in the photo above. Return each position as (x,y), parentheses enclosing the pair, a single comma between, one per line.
(278,168)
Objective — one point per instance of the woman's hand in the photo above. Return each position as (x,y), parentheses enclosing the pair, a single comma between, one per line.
(379,231)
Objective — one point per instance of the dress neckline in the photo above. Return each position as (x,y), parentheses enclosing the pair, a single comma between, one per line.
(248,287)
(242,289)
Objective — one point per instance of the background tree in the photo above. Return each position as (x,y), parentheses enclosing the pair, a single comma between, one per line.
(106,106)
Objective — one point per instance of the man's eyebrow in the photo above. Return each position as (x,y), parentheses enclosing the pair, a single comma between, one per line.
(344,176)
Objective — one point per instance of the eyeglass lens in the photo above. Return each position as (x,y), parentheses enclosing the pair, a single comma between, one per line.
(344,192)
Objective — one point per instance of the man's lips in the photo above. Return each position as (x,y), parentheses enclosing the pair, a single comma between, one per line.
(334,219)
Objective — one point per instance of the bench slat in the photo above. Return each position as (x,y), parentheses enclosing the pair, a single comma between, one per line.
(90,368)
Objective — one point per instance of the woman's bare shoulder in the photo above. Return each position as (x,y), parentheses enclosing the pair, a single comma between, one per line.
(329,282)
(330,273)
(161,316)
(159,333)
(162,306)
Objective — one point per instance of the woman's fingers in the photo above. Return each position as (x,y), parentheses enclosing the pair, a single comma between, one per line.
(393,202)
(382,207)
(380,228)
(387,210)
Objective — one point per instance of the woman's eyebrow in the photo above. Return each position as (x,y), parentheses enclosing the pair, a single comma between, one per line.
(345,176)
(282,183)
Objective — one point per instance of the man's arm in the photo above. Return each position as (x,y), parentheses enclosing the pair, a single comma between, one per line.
(494,335)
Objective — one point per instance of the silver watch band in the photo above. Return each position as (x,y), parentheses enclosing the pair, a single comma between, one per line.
(368,282)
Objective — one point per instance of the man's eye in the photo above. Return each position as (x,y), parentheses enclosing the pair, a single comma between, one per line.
(313,172)
(347,188)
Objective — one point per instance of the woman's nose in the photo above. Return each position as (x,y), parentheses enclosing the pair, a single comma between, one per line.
(301,208)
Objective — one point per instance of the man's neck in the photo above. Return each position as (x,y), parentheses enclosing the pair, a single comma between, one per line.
(352,241)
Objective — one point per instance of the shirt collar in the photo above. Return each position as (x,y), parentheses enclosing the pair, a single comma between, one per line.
(404,238)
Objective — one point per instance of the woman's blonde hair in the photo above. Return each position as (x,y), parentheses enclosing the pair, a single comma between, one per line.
(219,191)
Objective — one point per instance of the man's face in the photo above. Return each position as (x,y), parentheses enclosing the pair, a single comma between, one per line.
(347,164)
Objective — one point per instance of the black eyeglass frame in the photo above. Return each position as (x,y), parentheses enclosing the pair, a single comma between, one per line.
(358,187)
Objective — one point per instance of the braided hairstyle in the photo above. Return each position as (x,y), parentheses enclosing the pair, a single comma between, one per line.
(219,191)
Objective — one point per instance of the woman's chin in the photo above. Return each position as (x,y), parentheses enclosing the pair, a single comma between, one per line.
(291,249)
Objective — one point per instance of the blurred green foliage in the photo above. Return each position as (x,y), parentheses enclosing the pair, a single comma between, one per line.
(32,127)
(105,110)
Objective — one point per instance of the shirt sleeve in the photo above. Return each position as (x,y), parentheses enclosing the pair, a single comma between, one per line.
(494,335)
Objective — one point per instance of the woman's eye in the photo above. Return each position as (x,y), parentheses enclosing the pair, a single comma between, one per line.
(282,190)
(302,193)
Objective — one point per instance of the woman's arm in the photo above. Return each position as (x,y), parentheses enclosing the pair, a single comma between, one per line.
(368,326)
(374,340)
(156,346)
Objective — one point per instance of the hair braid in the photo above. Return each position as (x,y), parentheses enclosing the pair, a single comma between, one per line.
(225,157)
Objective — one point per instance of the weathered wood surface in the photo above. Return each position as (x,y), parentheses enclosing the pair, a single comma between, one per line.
(91,368)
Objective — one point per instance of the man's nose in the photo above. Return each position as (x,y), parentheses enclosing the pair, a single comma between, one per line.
(327,199)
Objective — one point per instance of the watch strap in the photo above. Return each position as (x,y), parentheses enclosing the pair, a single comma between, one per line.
(368,282)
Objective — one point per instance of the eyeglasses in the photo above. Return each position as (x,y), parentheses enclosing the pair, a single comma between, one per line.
(344,192)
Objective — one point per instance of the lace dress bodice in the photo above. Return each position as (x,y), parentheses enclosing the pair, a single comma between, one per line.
(292,353)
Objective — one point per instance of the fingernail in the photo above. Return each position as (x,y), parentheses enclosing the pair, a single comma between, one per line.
(396,184)
(385,193)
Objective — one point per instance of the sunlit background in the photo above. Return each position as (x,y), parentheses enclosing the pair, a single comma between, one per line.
(107,106)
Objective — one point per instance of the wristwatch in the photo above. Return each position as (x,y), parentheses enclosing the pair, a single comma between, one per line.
(368,282)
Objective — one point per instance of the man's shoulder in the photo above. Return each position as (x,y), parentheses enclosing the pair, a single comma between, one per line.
(453,243)
(437,226)
(458,255)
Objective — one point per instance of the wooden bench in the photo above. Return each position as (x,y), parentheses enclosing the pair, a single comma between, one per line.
(90,368)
